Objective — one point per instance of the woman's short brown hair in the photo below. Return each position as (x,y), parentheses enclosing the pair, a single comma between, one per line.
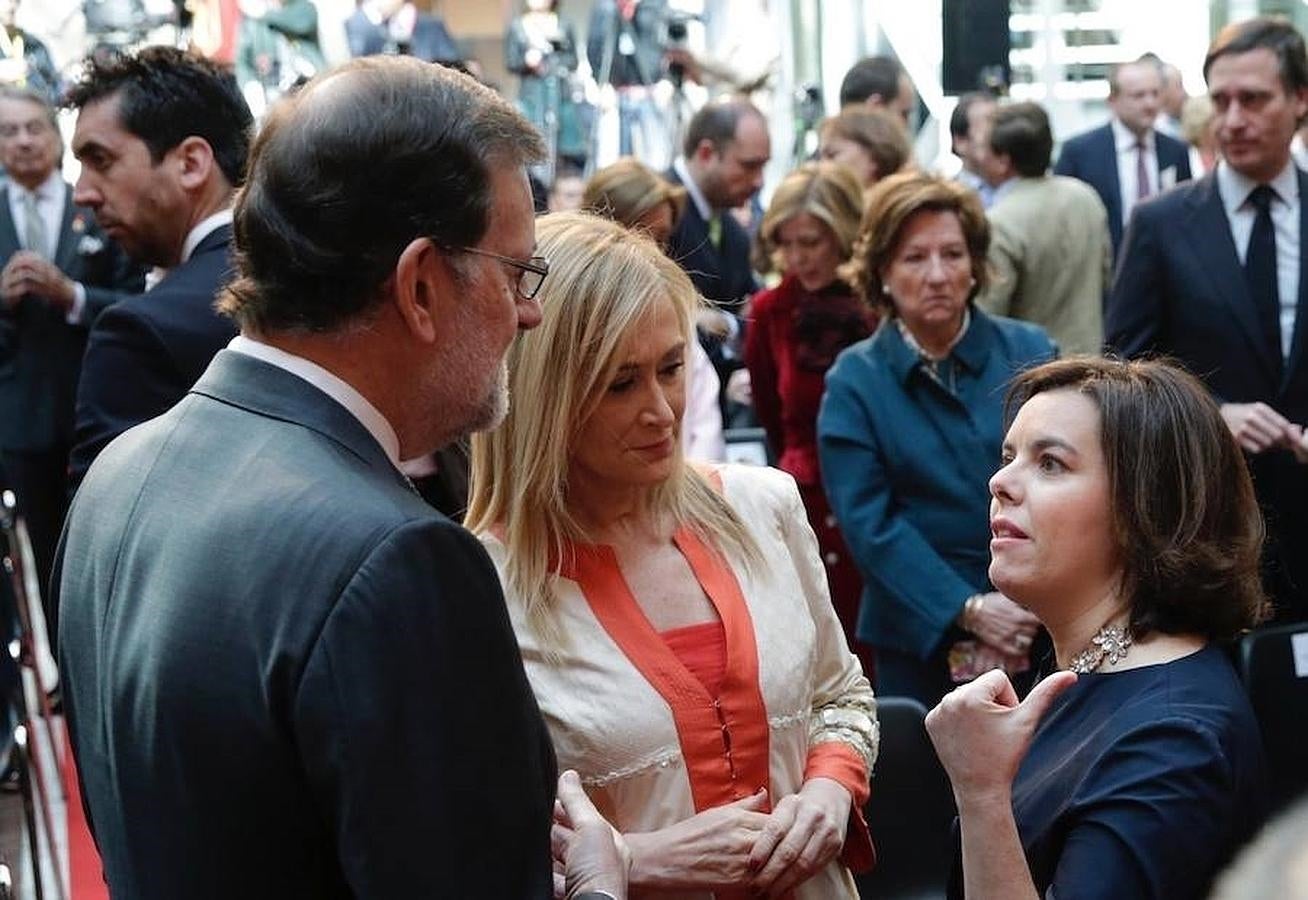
(1187,523)
(628,189)
(891,205)
(877,132)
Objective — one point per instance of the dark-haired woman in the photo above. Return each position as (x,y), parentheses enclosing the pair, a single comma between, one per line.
(1123,516)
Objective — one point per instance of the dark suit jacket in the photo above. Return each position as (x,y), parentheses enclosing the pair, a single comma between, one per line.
(430,42)
(1092,157)
(282,669)
(1180,290)
(40,353)
(146,352)
(723,276)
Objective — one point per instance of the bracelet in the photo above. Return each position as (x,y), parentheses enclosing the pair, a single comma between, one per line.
(971,607)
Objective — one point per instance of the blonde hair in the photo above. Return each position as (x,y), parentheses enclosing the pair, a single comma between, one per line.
(628,189)
(827,191)
(879,133)
(604,283)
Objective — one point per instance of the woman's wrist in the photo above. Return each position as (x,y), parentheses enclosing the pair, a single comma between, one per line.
(972,607)
(983,798)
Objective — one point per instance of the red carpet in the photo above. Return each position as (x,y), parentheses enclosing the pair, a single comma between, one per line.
(85,879)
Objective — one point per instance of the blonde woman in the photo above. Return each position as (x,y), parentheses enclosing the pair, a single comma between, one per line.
(795,332)
(634,195)
(871,143)
(674,623)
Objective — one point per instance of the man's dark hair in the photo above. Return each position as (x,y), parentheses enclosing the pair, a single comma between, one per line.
(166,95)
(958,124)
(1021,132)
(350,170)
(873,76)
(1265,33)
(717,123)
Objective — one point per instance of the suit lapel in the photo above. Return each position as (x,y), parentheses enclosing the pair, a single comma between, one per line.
(1208,233)
(8,233)
(66,249)
(1297,348)
(1114,204)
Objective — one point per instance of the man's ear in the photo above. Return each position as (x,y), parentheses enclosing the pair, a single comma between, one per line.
(422,277)
(193,161)
(705,151)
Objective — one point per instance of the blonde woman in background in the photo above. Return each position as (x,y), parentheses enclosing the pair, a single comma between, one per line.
(674,622)
(796,330)
(634,195)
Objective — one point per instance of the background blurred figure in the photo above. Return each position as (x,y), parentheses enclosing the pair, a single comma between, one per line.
(908,435)
(1127,160)
(674,621)
(795,332)
(162,136)
(871,143)
(726,149)
(1172,99)
(397,26)
(1123,516)
(541,50)
(635,195)
(60,271)
(567,190)
(878,82)
(1049,234)
(624,46)
(276,49)
(1214,275)
(966,130)
(1275,865)
(25,61)
(1199,128)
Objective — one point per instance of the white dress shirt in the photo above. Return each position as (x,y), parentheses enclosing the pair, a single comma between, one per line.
(51,197)
(1125,141)
(331,385)
(1234,189)
(202,230)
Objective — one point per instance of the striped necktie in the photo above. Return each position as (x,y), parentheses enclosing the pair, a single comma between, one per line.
(34,236)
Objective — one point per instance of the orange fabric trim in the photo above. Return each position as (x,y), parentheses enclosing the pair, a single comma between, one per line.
(703,650)
(724,741)
(841,763)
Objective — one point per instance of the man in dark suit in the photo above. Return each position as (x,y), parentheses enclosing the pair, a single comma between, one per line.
(280,665)
(395,26)
(59,272)
(162,137)
(1127,160)
(1212,273)
(725,151)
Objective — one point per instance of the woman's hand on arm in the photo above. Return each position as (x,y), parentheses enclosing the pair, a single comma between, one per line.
(1001,623)
(709,850)
(804,833)
(981,733)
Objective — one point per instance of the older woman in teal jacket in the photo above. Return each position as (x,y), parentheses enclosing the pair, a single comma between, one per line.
(909,434)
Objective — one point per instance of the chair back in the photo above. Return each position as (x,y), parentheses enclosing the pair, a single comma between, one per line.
(911,810)
(1273,664)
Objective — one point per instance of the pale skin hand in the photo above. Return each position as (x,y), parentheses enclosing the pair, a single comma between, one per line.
(981,734)
(713,322)
(1258,428)
(709,850)
(1003,625)
(804,833)
(739,388)
(589,854)
(29,273)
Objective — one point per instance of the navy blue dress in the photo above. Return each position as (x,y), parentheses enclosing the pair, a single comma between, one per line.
(1140,784)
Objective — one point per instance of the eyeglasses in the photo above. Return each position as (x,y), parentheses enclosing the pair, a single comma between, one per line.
(533,270)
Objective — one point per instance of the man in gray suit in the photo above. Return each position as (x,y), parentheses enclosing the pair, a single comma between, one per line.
(1049,242)
(285,675)
(59,271)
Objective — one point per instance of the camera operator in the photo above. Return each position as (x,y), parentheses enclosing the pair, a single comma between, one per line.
(542,51)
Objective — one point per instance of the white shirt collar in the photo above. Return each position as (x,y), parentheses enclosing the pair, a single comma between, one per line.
(202,230)
(1235,187)
(683,171)
(1124,138)
(333,386)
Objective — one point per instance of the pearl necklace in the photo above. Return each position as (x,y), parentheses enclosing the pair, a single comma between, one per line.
(1110,643)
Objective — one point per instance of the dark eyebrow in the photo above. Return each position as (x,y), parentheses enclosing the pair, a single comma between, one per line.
(1053,443)
(87,148)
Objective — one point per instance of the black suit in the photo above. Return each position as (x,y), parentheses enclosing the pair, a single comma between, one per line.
(146,352)
(1092,157)
(1181,290)
(285,674)
(40,360)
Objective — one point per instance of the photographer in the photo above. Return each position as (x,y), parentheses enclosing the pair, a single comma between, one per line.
(542,51)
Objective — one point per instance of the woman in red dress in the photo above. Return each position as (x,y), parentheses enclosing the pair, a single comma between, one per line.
(795,332)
